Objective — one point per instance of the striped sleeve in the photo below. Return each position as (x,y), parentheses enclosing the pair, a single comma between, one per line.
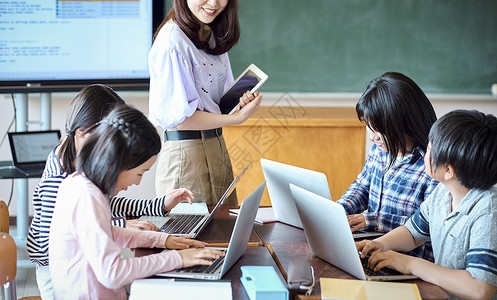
(482,253)
(124,207)
(418,224)
(44,197)
(119,222)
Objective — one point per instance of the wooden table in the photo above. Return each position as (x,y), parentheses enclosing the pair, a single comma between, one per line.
(286,242)
(218,234)
(275,244)
(330,140)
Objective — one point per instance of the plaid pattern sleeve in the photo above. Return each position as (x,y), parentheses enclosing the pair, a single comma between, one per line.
(403,190)
(355,199)
(388,199)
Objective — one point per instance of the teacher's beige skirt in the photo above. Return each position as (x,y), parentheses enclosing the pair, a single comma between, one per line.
(201,165)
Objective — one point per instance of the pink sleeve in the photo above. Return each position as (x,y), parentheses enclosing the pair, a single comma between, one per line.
(132,238)
(92,226)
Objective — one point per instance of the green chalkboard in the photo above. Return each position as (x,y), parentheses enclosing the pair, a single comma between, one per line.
(446,46)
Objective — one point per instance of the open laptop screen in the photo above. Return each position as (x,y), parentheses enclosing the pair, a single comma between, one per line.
(32,146)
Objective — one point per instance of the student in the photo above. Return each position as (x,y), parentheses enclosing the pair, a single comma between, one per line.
(393,182)
(189,71)
(460,215)
(86,109)
(85,249)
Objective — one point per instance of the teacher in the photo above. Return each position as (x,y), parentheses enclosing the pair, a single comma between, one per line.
(189,71)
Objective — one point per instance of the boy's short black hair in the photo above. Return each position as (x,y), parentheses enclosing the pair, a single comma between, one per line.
(467,140)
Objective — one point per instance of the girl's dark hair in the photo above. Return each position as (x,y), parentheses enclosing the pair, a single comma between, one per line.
(396,107)
(467,140)
(225,28)
(88,107)
(123,140)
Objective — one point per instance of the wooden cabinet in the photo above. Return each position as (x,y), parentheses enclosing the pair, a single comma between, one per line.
(330,140)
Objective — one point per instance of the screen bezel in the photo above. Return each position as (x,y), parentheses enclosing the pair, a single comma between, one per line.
(12,136)
(259,74)
(71,85)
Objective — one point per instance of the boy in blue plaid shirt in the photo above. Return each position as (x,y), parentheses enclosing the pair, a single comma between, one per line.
(393,182)
(460,215)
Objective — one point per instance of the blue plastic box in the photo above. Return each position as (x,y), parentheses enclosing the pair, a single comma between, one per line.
(263,283)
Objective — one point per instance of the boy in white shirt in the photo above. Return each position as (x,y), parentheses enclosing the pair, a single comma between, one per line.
(460,215)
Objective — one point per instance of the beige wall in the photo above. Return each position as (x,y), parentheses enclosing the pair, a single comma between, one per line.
(60,103)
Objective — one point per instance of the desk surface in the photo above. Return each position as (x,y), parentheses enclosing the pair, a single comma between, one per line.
(285,242)
(275,244)
(9,171)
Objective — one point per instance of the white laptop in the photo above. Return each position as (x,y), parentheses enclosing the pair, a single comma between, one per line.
(279,175)
(328,234)
(237,245)
(191,223)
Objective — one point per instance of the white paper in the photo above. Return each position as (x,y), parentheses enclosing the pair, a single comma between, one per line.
(194,208)
(155,288)
(264,214)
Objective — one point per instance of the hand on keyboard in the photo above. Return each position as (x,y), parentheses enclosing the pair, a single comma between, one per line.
(177,243)
(366,247)
(387,263)
(142,225)
(356,222)
(196,256)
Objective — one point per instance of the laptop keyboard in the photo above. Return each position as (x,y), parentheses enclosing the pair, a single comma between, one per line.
(206,269)
(181,224)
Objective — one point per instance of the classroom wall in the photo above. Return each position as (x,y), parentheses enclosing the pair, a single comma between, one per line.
(60,101)
(324,52)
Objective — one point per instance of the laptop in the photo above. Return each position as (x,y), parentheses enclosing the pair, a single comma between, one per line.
(328,234)
(279,175)
(191,224)
(30,150)
(237,245)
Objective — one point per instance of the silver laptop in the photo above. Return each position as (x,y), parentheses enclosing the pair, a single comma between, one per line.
(237,246)
(30,150)
(328,234)
(279,175)
(191,225)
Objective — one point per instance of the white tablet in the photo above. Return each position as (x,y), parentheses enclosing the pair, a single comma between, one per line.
(250,80)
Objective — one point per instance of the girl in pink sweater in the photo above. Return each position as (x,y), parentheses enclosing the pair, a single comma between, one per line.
(85,249)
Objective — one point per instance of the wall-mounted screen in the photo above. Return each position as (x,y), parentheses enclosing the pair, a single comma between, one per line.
(62,45)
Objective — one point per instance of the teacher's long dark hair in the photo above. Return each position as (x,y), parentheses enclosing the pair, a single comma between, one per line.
(225,28)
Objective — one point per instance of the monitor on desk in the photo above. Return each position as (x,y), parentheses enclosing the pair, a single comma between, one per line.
(30,149)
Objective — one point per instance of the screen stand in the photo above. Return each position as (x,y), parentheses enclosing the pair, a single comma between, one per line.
(21,116)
